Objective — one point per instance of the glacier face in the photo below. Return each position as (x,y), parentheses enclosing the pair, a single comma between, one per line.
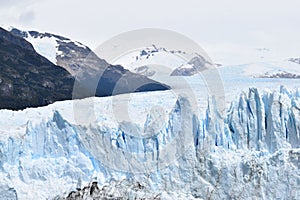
(250,152)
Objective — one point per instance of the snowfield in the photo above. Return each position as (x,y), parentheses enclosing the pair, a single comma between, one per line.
(160,141)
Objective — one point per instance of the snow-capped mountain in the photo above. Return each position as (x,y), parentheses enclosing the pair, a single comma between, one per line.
(154,60)
(77,58)
(93,76)
(196,65)
(27,79)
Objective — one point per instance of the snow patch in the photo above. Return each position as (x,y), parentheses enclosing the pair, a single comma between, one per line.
(45,46)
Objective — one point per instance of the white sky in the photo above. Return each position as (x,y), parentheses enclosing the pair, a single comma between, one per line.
(229,30)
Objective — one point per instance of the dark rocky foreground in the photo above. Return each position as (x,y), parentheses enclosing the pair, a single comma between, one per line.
(113,191)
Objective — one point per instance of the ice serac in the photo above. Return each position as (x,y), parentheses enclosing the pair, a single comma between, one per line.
(252,151)
(265,122)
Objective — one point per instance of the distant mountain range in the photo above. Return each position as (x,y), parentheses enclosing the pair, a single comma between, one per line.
(172,62)
(40,68)
(154,60)
(272,69)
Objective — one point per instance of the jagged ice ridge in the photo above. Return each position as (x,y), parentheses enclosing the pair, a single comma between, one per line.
(251,151)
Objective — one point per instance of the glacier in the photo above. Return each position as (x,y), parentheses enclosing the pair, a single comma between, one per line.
(171,151)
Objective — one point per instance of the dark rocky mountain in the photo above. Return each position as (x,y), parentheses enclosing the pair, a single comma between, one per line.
(75,57)
(27,79)
(94,76)
(196,65)
(5,35)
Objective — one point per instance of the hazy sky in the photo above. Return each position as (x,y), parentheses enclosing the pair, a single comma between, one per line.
(229,30)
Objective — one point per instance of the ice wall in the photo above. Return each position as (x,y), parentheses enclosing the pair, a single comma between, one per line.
(252,151)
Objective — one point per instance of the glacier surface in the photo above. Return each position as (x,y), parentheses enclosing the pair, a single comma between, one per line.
(174,151)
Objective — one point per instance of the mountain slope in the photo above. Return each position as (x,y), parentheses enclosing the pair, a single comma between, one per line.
(174,63)
(94,76)
(196,65)
(75,57)
(26,78)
